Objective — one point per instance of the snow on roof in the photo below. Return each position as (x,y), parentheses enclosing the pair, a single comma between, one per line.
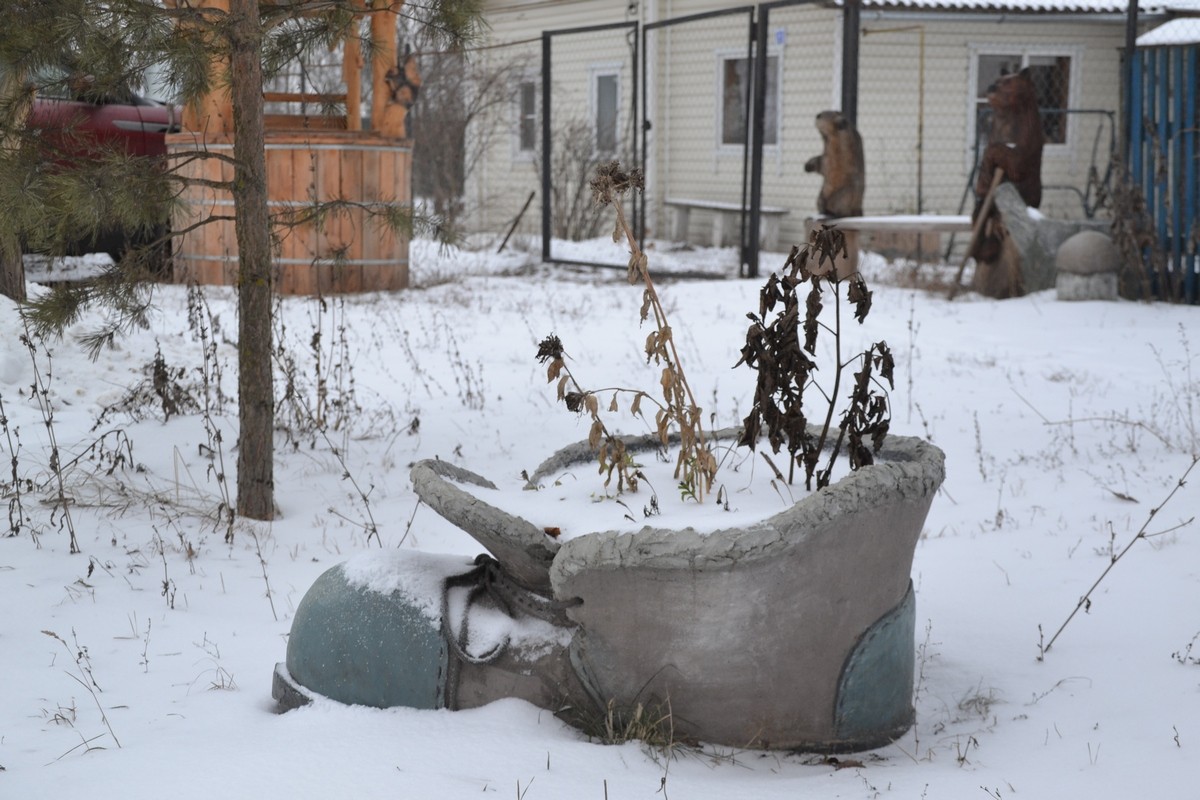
(1175,32)
(1035,6)
(1181,31)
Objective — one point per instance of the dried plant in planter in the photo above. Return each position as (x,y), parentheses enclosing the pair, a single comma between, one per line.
(610,449)
(786,366)
(696,466)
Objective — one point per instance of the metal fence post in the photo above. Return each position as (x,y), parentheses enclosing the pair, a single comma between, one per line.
(1127,83)
(851,19)
(546,144)
(756,151)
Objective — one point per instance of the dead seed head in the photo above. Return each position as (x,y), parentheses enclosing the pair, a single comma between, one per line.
(611,181)
(549,348)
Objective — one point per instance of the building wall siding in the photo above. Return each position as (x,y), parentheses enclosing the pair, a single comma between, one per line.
(686,159)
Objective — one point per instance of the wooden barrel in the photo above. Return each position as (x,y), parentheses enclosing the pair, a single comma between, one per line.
(346,250)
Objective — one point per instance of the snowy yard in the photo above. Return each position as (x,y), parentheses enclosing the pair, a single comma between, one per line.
(141,668)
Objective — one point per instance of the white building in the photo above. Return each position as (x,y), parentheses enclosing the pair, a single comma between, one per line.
(924,67)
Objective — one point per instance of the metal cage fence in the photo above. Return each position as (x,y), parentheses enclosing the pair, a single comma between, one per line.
(590,115)
(727,125)
(696,105)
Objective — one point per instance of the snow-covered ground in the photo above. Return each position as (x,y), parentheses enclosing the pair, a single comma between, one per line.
(141,667)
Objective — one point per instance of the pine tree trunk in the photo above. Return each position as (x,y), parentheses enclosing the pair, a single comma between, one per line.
(12,272)
(256,402)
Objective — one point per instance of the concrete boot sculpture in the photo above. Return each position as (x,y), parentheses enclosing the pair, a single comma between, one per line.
(795,632)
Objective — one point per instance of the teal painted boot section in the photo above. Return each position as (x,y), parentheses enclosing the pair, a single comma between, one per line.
(874,699)
(358,646)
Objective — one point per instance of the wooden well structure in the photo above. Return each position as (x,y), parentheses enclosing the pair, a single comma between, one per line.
(310,158)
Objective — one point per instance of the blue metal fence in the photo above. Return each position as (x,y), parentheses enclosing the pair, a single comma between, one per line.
(1164,159)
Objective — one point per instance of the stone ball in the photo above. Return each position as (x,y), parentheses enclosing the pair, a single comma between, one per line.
(1088,253)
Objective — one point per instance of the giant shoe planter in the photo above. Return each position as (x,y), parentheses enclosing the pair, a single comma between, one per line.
(795,632)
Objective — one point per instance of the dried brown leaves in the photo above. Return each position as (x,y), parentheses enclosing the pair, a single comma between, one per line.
(785,367)
(697,466)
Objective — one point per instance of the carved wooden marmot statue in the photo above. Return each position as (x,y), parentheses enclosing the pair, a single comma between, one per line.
(841,165)
(403,83)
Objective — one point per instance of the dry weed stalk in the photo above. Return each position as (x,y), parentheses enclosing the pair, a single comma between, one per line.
(162,391)
(610,449)
(696,466)
(262,562)
(316,416)
(18,518)
(41,392)
(205,327)
(83,663)
(1145,272)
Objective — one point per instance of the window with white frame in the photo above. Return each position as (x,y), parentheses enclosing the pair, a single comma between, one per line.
(734,78)
(1052,74)
(606,106)
(527,116)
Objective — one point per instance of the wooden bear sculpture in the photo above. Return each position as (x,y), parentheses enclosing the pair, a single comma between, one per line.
(841,166)
(1015,142)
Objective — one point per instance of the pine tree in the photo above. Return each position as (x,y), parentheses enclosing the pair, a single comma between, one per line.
(201,47)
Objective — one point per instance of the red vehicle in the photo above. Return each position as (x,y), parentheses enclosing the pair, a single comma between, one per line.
(76,124)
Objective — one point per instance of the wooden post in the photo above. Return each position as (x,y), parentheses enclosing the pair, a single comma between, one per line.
(352,75)
(387,116)
(212,113)
(997,178)
(516,221)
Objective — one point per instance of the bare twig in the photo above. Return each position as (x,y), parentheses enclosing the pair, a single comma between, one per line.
(1085,602)
(263,563)
(1106,420)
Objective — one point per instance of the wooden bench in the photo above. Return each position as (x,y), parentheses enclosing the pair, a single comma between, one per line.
(726,221)
(901,223)
(897,235)
(894,224)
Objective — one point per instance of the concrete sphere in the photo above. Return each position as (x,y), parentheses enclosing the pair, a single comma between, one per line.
(1088,253)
